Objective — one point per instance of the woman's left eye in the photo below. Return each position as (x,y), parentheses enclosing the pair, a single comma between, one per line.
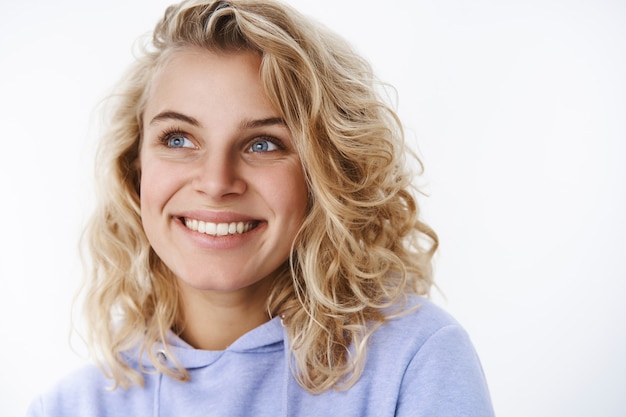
(263,145)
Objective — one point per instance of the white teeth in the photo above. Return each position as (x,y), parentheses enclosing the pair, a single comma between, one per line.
(218,229)
(222,229)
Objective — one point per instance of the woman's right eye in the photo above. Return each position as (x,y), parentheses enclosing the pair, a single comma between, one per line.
(178,141)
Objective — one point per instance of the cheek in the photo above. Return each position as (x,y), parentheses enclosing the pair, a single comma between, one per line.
(156,184)
(147,185)
(285,193)
(294,194)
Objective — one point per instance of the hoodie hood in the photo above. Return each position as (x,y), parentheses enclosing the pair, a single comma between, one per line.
(269,337)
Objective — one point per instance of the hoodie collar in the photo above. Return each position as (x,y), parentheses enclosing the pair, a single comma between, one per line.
(268,337)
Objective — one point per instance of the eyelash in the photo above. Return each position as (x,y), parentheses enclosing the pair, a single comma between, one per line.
(170,132)
(277,142)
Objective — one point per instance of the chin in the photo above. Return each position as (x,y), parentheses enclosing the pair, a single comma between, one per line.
(226,283)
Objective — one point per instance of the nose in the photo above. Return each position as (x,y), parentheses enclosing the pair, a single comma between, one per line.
(219,176)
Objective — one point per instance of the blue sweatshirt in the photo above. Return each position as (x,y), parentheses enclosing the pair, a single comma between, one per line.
(420,364)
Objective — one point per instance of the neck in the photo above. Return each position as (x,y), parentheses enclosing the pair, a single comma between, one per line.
(214,320)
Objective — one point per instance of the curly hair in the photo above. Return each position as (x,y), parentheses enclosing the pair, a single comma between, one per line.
(362,248)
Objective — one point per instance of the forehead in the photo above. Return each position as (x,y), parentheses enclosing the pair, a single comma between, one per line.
(193,53)
(179,64)
(196,80)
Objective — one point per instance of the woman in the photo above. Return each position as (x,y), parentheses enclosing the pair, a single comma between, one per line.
(256,248)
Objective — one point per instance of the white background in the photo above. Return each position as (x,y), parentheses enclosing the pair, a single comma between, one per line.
(519,113)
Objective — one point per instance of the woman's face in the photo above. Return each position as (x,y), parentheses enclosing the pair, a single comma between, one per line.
(223,193)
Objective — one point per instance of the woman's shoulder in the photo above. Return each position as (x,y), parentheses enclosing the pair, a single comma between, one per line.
(420,334)
(429,349)
(67,393)
(417,320)
(84,391)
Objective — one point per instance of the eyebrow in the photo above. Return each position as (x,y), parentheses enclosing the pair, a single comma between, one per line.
(251,124)
(166,115)
(246,124)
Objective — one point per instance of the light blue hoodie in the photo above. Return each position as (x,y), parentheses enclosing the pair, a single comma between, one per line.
(420,364)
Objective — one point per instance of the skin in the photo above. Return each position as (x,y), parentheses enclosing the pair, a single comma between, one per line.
(216,151)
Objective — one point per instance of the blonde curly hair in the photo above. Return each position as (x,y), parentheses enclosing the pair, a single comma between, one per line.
(362,248)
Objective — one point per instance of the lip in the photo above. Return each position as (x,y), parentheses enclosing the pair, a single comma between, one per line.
(206,241)
(216,216)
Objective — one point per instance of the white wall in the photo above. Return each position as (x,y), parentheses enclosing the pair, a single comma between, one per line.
(518,110)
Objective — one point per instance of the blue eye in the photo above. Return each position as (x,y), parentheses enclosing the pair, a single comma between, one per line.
(179,141)
(263,145)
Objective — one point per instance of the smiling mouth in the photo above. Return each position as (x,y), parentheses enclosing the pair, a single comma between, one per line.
(219,229)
